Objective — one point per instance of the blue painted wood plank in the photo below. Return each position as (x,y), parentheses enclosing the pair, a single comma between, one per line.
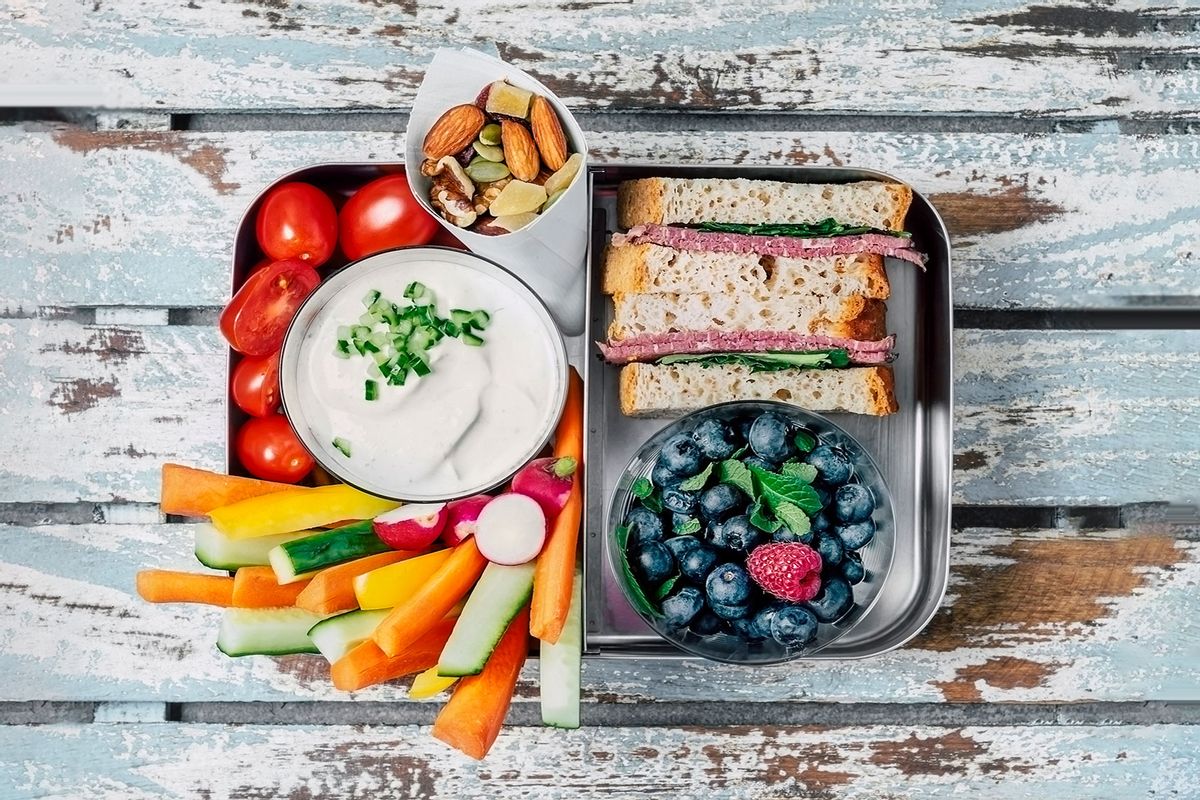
(969,56)
(1037,221)
(116,762)
(1041,417)
(1036,616)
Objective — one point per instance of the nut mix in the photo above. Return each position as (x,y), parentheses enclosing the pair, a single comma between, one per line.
(499,162)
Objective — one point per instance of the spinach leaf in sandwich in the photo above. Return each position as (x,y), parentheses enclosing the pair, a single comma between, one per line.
(818,230)
(767,361)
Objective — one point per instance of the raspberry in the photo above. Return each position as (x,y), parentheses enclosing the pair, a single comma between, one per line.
(788,570)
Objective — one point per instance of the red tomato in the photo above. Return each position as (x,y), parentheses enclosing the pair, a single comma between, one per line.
(297,220)
(381,215)
(255,385)
(257,317)
(268,449)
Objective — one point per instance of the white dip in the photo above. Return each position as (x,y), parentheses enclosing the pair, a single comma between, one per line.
(468,424)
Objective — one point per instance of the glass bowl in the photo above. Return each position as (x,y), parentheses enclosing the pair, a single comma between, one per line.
(725,646)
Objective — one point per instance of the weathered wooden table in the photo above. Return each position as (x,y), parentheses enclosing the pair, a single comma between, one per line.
(1061,145)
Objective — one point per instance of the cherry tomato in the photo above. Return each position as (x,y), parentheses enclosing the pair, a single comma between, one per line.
(381,215)
(257,317)
(255,385)
(268,449)
(297,220)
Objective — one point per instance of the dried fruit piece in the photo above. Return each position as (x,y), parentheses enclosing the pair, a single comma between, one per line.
(508,100)
(518,197)
(547,132)
(562,178)
(552,199)
(498,226)
(453,131)
(520,152)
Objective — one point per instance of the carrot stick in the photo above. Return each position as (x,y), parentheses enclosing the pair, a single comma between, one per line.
(195,492)
(471,720)
(366,665)
(411,620)
(257,587)
(554,573)
(167,586)
(332,589)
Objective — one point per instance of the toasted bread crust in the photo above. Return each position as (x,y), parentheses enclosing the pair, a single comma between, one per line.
(640,201)
(649,390)
(902,194)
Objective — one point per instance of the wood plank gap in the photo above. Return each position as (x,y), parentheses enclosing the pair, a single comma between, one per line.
(678,120)
(45,712)
(1143,313)
(80,513)
(714,714)
(130,712)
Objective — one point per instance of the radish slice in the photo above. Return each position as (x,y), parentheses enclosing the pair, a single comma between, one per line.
(411,527)
(511,529)
(462,516)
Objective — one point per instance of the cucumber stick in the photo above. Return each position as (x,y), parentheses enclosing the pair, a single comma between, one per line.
(295,560)
(215,550)
(266,631)
(338,635)
(500,593)
(559,665)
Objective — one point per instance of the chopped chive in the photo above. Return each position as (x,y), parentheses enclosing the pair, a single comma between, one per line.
(461,316)
(370,298)
(371,390)
(414,290)
(480,319)
(343,445)
(421,367)
(342,350)
(472,340)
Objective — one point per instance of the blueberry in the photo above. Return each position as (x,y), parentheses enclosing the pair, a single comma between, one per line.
(663,478)
(720,501)
(769,437)
(697,562)
(757,626)
(707,623)
(852,568)
(830,547)
(784,534)
(728,585)
(730,611)
(853,503)
(680,608)
(835,599)
(680,546)
(678,520)
(643,525)
(681,455)
(679,501)
(716,439)
(654,562)
(832,463)
(856,534)
(737,534)
(820,522)
(793,626)
(761,463)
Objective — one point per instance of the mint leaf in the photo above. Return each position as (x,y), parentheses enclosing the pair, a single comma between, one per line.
(687,527)
(796,469)
(796,520)
(666,588)
(637,597)
(760,517)
(805,441)
(642,488)
(653,503)
(698,480)
(778,489)
(738,474)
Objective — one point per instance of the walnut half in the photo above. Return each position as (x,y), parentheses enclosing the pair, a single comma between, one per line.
(452,191)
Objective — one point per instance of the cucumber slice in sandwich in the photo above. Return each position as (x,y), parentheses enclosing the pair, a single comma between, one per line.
(767,361)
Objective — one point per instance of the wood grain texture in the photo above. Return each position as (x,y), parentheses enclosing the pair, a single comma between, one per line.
(1041,417)
(110,762)
(1037,221)
(1031,616)
(995,56)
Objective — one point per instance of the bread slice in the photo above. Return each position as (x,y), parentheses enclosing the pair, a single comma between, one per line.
(689,201)
(645,268)
(651,390)
(850,317)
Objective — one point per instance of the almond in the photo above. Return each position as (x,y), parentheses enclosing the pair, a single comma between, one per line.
(520,153)
(548,133)
(453,131)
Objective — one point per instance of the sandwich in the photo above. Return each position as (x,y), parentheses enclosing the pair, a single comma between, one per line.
(745,289)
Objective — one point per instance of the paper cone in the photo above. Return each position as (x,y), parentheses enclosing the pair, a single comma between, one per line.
(548,254)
